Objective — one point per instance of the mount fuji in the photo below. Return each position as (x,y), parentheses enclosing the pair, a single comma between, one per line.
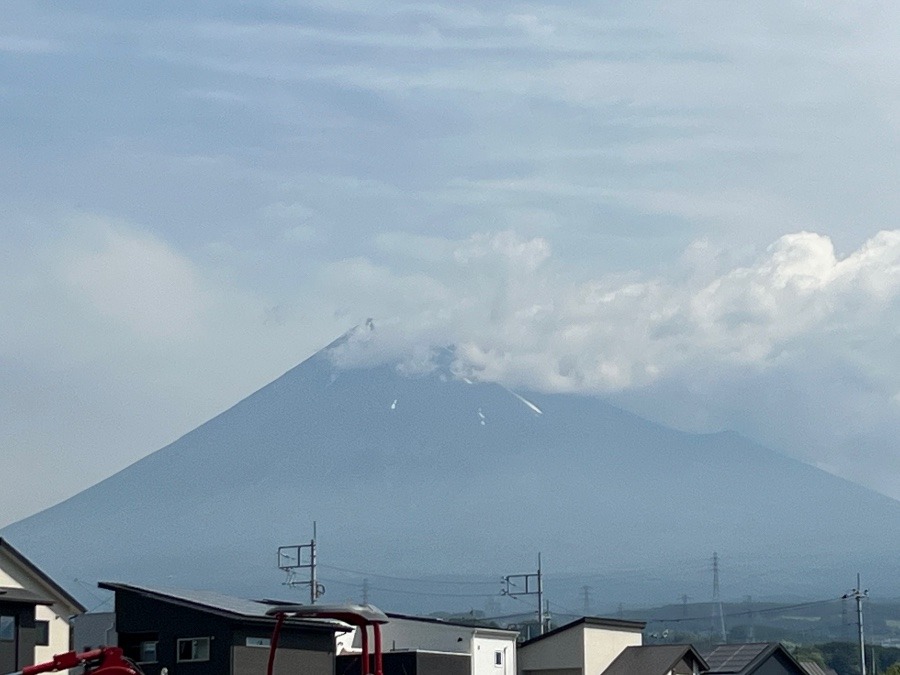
(433,475)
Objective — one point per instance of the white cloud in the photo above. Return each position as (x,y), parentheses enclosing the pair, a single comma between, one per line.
(519,318)
(136,282)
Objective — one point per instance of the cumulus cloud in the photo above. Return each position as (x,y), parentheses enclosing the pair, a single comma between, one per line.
(516,316)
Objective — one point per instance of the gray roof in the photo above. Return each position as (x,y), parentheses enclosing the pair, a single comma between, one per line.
(746,658)
(212,601)
(15,594)
(813,668)
(653,660)
(735,658)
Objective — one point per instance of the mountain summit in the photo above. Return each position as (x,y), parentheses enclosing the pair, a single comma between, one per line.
(419,471)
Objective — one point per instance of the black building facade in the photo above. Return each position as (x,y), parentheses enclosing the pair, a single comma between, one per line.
(172,632)
(412,662)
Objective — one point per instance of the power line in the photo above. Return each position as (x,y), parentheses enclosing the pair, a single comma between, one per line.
(410,592)
(420,580)
(779,608)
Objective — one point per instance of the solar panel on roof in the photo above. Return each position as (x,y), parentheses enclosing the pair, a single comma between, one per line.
(733,658)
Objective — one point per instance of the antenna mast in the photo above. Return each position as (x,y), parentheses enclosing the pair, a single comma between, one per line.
(528,584)
(300,557)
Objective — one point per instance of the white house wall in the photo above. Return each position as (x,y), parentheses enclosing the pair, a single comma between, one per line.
(403,634)
(583,649)
(408,634)
(602,646)
(485,648)
(57,615)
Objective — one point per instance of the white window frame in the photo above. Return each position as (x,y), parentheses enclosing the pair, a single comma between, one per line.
(195,642)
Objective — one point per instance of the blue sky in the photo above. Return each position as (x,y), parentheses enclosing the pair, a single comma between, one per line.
(688,207)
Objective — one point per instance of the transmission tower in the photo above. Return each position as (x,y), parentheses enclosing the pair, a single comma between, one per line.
(365,591)
(684,605)
(717,602)
(845,621)
(586,595)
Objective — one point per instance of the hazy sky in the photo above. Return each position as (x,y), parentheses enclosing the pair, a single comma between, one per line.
(688,207)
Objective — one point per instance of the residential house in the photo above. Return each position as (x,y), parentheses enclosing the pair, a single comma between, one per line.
(758,658)
(586,646)
(489,651)
(207,633)
(34,612)
(658,660)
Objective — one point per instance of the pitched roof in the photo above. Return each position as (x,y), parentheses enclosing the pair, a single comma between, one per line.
(813,668)
(652,660)
(745,658)
(215,603)
(54,587)
(600,622)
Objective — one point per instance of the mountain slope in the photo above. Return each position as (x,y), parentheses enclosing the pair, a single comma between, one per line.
(432,474)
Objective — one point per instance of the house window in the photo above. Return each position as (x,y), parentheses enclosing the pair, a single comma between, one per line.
(41,633)
(498,658)
(147,651)
(7,628)
(193,649)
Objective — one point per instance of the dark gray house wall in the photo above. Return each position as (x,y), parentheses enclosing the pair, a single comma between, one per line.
(778,664)
(18,651)
(140,619)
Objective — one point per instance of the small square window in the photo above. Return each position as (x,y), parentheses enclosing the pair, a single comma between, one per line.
(498,658)
(41,633)
(193,649)
(147,652)
(7,628)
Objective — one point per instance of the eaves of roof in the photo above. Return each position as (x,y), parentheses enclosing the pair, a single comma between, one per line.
(41,575)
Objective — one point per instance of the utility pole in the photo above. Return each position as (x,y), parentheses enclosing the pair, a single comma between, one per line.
(313,584)
(859,595)
(299,557)
(717,601)
(528,584)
